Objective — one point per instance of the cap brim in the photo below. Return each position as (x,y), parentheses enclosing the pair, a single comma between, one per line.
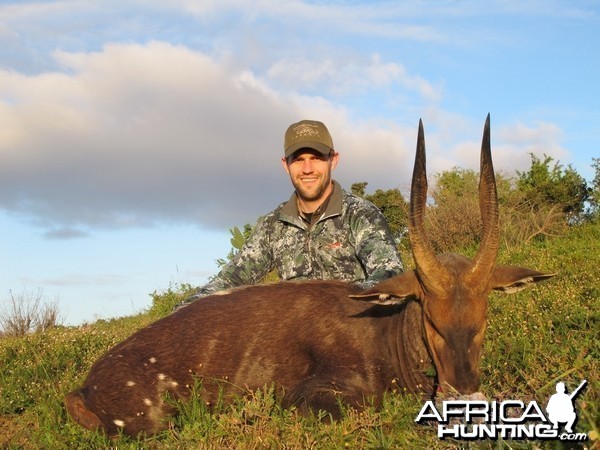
(321,148)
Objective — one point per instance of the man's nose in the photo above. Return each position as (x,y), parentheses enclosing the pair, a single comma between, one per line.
(307,166)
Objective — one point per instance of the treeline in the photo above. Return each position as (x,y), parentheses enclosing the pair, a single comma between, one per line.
(538,203)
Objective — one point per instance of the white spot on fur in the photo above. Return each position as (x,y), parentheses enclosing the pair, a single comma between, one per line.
(161,376)
(152,360)
(174,383)
(130,383)
(119,423)
(147,402)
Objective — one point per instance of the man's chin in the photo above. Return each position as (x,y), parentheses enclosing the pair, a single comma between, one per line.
(309,195)
(305,199)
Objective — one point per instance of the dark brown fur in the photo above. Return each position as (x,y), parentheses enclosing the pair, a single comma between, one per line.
(310,340)
(315,342)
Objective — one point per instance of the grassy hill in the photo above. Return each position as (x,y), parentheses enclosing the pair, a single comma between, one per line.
(535,338)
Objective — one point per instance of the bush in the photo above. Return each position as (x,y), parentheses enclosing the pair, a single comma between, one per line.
(164,301)
(564,188)
(535,338)
(27,313)
(453,220)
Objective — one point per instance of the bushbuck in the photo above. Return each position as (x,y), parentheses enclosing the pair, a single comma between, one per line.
(316,343)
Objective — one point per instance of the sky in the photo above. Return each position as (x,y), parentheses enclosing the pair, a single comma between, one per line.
(135,133)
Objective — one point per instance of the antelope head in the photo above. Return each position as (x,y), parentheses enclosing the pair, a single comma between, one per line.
(453,290)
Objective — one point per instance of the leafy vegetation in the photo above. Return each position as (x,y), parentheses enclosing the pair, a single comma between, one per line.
(536,204)
(594,198)
(391,203)
(534,339)
(545,185)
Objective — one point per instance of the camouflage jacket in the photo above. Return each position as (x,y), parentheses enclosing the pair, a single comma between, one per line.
(350,241)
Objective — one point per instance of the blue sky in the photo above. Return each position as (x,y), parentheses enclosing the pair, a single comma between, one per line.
(135,134)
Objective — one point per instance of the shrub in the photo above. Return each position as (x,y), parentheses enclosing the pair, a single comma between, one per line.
(534,339)
(164,301)
(564,188)
(27,313)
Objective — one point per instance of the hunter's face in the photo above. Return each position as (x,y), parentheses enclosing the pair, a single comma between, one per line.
(310,173)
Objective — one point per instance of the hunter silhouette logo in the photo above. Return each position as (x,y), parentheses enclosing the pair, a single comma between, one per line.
(470,418)
(561,407)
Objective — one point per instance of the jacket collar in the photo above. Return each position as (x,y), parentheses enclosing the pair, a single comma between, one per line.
(334,206)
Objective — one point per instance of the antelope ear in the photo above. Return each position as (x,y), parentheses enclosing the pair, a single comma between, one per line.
(511,279)
(392,291)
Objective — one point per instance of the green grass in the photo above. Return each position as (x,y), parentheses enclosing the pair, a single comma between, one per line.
(534,339)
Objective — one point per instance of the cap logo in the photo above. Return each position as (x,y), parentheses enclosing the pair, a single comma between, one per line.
(305,129)
(307,134)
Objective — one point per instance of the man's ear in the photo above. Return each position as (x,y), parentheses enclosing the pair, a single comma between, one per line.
(285,165)
(334,160)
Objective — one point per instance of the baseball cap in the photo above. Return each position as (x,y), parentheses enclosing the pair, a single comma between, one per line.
(307,134)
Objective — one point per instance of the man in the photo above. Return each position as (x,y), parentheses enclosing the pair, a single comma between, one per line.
(321,232)
(560,407)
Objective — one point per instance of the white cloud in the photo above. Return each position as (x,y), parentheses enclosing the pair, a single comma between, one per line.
(518,141)
(345,76)
(134,135)
(459,141)
(138,134)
